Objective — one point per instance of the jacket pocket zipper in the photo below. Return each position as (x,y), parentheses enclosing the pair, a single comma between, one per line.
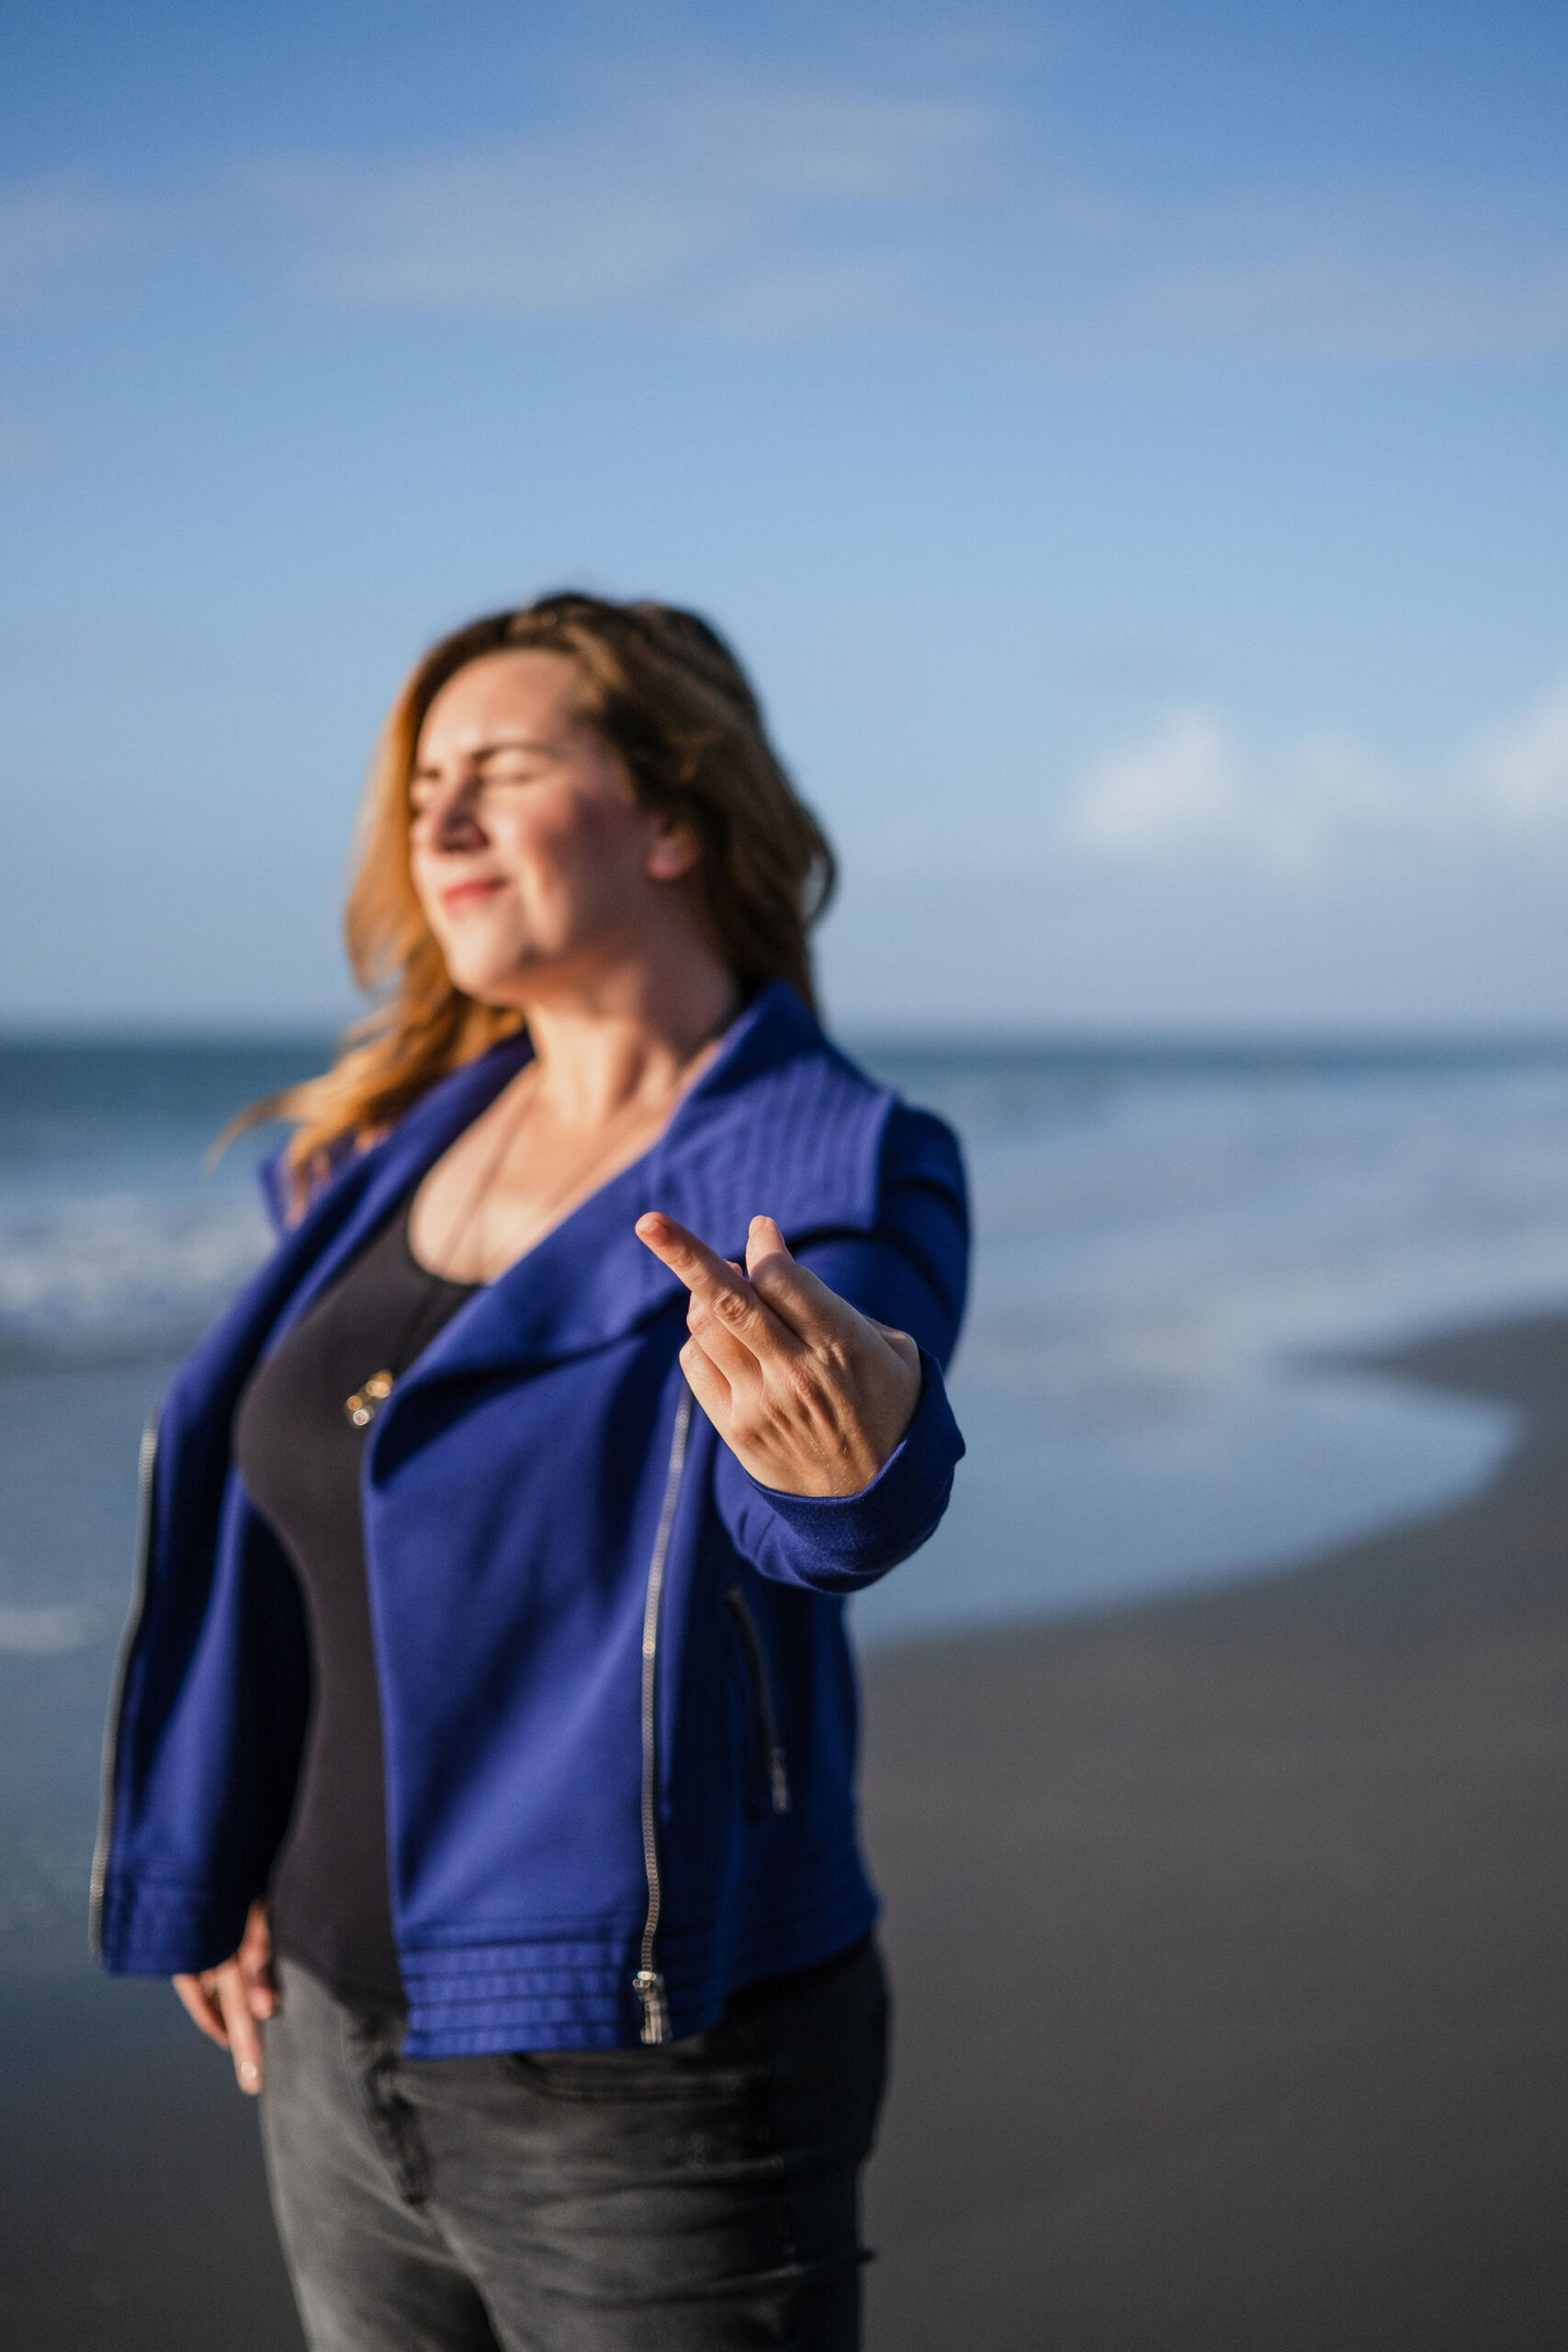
(145,1467)
(763,1696)
(648,1983)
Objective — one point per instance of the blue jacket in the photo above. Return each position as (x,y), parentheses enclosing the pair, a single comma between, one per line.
(618,1702)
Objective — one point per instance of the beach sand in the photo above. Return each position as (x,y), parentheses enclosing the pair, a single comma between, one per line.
(1230,1939)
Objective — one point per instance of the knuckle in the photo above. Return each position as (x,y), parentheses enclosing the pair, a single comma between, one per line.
(802,1389)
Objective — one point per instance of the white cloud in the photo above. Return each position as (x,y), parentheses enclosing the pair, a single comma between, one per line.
(1181,780)
(707,203)
(1523,772)
(1344,271)
(40,1632)
(709,198)
(724,206)
(50,226)
(797,300)
(1190,789)
(500,238)
(828,146)
(1347,307)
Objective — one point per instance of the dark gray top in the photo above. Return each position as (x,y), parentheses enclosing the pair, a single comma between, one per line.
(299,1456)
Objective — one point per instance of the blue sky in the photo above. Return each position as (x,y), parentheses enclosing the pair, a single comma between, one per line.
(1129,443)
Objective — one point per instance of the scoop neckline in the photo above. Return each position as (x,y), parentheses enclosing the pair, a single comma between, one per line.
(426,1273)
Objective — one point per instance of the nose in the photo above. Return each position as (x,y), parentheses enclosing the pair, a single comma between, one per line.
(449,818)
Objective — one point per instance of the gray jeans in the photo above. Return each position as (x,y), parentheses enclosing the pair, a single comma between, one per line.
(700,2195)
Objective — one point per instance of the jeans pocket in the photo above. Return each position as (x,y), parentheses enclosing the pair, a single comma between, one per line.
(705,2071)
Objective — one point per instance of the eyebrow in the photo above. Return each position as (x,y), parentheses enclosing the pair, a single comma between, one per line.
(499,743)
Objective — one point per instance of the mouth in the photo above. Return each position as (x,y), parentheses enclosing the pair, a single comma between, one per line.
(459,895)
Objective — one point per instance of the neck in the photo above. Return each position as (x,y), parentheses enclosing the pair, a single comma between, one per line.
(629,1037)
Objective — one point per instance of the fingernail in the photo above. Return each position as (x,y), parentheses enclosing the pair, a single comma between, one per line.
(248,2075)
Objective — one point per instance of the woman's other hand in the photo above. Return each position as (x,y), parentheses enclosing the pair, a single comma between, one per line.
(230,2003)
(810,1396)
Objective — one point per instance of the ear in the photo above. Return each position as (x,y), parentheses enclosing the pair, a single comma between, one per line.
(672,851)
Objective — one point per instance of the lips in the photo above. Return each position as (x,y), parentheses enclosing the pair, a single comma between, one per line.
(459,896)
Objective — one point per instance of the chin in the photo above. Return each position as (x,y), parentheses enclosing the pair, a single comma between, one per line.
(487,969)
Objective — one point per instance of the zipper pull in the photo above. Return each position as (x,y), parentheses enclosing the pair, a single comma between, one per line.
(778,1780)
(648,1986)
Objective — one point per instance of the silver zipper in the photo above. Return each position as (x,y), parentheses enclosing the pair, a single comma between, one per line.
(146,1462)
(648,1983)
(762,1690)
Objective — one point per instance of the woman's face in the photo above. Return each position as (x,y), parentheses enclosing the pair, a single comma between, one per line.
(530,855)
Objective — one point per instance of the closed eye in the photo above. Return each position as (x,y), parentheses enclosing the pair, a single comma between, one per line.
(507,762)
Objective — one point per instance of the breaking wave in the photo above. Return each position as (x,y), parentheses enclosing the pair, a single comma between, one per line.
(120,1278)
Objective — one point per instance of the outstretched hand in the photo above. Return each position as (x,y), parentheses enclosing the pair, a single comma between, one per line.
(810,1396)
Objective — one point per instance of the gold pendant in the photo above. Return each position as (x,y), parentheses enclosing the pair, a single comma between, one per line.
(366,1403)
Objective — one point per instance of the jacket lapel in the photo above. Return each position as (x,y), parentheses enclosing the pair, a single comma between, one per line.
(385,1173)
(782,1124)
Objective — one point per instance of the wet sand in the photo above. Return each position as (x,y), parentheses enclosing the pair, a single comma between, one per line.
(1231,1943)
(1231,1938)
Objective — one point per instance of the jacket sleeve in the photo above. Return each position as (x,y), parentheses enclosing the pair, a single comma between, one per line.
(911,1271)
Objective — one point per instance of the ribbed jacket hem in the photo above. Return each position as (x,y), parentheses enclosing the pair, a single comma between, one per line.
(566,1990)
(574,1992)
(160,1928)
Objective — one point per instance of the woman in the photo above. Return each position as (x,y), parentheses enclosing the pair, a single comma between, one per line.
(486,1731)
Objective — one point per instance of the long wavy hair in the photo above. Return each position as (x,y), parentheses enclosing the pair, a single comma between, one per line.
(666,693)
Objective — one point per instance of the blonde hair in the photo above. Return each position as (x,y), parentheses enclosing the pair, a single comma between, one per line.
(666,693)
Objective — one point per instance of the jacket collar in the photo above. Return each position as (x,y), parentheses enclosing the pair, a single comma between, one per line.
(342,1218)
(780,1122)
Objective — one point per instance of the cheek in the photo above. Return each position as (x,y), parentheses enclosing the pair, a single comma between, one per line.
(584,848)
(422,874)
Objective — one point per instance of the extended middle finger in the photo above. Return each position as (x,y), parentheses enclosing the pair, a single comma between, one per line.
(723,1296)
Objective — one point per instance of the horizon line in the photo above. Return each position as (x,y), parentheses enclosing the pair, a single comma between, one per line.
(1361,1040)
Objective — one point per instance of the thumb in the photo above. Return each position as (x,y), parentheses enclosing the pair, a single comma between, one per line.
(254,1957)
(765,1240)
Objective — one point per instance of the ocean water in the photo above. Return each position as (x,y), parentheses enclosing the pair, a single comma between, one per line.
(1179,1252)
